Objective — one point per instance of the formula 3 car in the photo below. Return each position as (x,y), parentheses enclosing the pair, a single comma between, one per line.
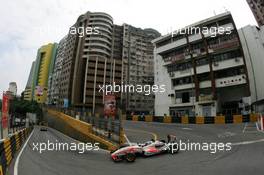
(129,152)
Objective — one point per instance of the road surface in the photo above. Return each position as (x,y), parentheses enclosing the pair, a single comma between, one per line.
(246,156)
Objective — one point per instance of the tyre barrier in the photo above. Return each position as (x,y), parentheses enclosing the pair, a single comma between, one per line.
(194,120)
(9,146)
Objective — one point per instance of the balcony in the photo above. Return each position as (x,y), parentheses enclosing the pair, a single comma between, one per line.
(225,64)
(178,102)
(204,98)
(195,37)
(184,86)
(198,52)
(225,45)
(174,59)
(202,69)
(172,45)
(205,84)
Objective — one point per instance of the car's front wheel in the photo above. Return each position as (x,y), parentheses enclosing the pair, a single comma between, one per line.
(130,157)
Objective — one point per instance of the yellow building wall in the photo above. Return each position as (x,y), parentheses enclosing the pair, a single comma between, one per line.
(44,72)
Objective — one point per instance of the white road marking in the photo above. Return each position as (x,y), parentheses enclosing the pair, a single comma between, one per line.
(187,128)
(245,127)
(248,142)
(226,134)
(127,139)
(20,153)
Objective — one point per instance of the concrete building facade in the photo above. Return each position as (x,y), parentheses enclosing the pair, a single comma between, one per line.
(54,77)
(13,88)
(205,73)
(98,59)
(252,40)
(89,62)
(257,8)
(138,67)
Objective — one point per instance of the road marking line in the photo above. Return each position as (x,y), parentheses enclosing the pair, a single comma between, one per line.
(128,141)
(147,132)
(20,153)
(245,127)
(248,142)
(187,129)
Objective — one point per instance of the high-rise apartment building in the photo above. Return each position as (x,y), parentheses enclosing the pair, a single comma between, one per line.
(89,62)
(43,69)
(138,67)
(257,8)
(54,77)
(12,88)
(101,58)
(28,89)
(204,70)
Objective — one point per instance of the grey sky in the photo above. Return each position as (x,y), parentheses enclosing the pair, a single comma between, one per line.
(27,24)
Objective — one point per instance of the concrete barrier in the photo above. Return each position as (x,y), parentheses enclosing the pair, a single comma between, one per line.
(77,129)
(237,118)
(184,120)
(135,118)
(9,146)
(200,120)
(167,119)
(221,119)
(148,118)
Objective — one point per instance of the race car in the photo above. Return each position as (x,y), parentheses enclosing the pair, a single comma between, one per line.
(129,152)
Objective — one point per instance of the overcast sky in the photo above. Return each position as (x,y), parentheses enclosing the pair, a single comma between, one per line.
(25,25)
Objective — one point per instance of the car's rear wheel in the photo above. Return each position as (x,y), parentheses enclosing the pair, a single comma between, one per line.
(130,157)
(174,148)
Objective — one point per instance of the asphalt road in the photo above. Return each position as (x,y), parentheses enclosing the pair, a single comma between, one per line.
(244,158)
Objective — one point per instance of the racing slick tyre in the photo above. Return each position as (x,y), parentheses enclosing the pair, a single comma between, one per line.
(174,148)
(130,157)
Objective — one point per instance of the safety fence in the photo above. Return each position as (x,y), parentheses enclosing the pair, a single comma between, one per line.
(77,129)
(107,128)
(194,120)
(9,146)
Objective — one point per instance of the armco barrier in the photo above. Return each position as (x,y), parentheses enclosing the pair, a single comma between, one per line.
(9,146)
(194,120)
(74,128)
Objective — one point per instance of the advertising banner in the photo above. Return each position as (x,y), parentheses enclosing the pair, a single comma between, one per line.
(110,105)
(5,107)
(39,91)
